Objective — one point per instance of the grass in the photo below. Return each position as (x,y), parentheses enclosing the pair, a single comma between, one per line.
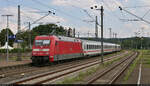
(82,75)
(131,68)
(144,56)
(116,59)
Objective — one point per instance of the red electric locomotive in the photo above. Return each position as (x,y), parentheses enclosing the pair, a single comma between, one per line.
(54,48)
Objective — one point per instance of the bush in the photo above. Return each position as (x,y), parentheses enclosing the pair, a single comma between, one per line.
(16,50)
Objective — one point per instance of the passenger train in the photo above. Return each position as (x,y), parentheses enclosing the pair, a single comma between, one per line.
(54,48)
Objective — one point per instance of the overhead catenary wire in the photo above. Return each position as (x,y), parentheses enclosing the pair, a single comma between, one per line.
(45,5)
(88,14)
(113,14)
(38,19)
(146,13)
(134,15)
(84,10)
(138,6)
(27,16)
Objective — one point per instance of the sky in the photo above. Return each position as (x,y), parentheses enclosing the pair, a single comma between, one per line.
(77,14)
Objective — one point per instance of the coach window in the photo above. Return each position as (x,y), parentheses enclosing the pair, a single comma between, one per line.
(84,46)
(89,46)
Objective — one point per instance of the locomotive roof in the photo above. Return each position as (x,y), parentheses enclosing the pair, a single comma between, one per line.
(63,38)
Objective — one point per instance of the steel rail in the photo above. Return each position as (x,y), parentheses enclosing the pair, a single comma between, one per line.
(101,74)
(53,72)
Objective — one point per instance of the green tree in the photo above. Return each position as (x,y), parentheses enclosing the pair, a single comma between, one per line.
(40,30)
(3,37)
(47,29)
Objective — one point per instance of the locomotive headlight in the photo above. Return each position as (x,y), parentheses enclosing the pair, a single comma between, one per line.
(35,49)
(45,49)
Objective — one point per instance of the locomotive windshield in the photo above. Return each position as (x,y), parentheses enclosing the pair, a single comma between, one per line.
(42,42)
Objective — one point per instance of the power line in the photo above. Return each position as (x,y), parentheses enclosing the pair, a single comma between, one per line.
(45,5)
(39,19)
(138,6)
(134,15)
(88,14)
(84,10)
(146,13)
(27,16)
(111,10)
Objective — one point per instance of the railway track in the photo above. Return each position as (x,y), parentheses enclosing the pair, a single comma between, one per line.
(24,71)
(53,75)
(112,73)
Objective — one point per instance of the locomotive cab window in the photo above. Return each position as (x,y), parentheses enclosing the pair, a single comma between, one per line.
(42,42)
(46,42)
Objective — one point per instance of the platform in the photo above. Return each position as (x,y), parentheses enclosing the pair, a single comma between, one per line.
(5,64)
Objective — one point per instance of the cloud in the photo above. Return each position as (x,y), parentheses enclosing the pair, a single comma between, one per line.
(126,0)
(26,16)
(111,5)
(145,26)
(146,1)
(78,3)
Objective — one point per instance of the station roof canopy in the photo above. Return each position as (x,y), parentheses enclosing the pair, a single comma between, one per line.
(5,46)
